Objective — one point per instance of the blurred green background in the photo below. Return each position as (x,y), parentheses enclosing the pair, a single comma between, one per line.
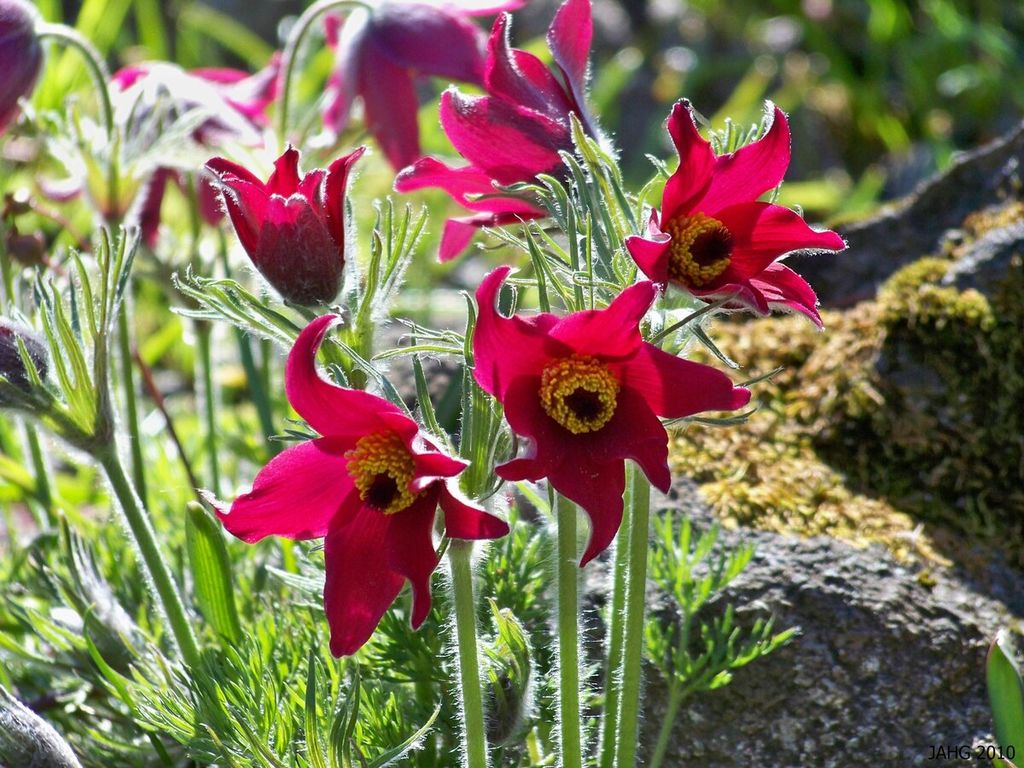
(881,93)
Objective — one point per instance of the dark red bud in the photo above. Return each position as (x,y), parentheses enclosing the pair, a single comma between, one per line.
(12,367)
(21,55)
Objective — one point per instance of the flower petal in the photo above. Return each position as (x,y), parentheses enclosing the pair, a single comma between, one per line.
(762,232)
(634,432)
(508,142)
(749,172)
(329,409)
(391,104)
(245,199)
(675,388)
(343,85)
(687,186)
(597,488)
(296,495)
(520,77)
(360,586)
(409,548)
(285,179)
(785,289)
(334,194)
(569,38)
(611,332)
(465,185)
(432,466)
(458,234)
(504,348)
(437,41)
(466,520)
(478,7)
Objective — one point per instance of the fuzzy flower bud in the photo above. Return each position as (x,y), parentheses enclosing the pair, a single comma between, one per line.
(21,56)
(12,367)
(292,226)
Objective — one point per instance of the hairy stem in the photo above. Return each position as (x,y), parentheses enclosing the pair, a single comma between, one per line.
(616,632)
(204,364)
(633,646)
(145,538)
(568,636)
(475,735)
(675,699)
(130,402)
(290,56)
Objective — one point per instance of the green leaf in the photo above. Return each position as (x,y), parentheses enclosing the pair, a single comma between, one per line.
(389,757)
(1005,691)
(314,749)
(211,572)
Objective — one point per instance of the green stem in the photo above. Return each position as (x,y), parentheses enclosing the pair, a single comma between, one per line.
(616,634)
(633,646)
(459,553)
(145,538)
(204,364)
(101,79)
(44,492)
(130,403)
(568,635)
(675,699)
(291,50)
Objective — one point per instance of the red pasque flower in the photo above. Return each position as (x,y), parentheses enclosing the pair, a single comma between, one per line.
(587,391)
(513,133)
(371,486)
(21,56)
(235,104)
(714,239)
(292,226)
(380,52)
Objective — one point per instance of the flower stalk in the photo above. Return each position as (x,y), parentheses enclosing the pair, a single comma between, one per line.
(131,406)
(145,538)
(474,732)
(291,55)
(636,604)
(204,363)
(568,635)
(616,632)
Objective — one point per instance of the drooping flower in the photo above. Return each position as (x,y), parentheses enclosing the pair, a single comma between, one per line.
(587,391)
(714,239)
(380,52)
(292,226)
(515,131)
(371,486)
(232,106)
(21,56)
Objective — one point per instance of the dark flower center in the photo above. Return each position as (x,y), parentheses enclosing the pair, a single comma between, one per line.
(700,251)
(381,468)
(579,392)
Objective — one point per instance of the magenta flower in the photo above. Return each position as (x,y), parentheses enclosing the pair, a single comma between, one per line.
(21,56)
(714,239)
(587,391)
(379,54)
(292,226)
(371,485)
(513,133)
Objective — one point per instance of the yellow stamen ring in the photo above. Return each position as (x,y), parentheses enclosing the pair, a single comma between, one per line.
(381,467)
(579,393)
(700,250)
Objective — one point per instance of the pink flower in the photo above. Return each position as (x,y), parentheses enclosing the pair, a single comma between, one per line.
(21,56)
(513,133)
(714,239)
(379,54)
(235,102)
(292,226)
(371,485)
(587,391)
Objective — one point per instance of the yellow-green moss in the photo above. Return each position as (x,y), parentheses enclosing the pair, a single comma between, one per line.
(903,424)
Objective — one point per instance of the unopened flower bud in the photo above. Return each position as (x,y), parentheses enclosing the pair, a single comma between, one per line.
(28,250)
(21,56)
(12,366)
(292,226)
(509,673)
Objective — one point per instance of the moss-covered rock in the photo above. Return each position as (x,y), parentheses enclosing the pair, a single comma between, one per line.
(903,424)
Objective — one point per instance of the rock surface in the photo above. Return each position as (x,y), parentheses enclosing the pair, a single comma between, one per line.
(887,665)
(916,225)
